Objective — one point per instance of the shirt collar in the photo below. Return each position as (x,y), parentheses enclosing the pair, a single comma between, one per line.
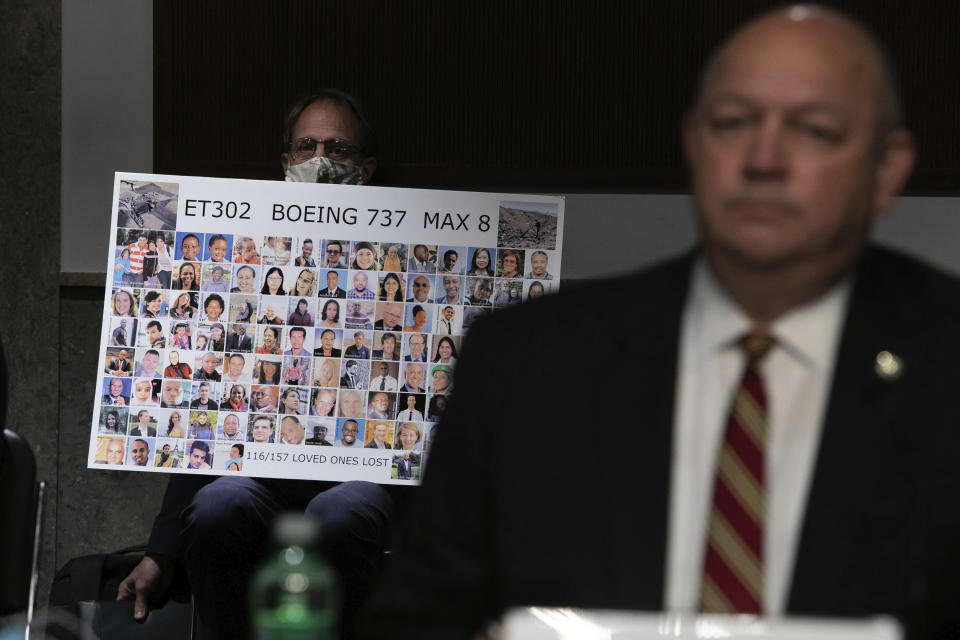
(809,333)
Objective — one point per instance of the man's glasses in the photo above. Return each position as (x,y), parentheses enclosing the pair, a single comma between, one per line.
(302,149)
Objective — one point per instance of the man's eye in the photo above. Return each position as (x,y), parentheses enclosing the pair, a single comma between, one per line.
(820,133)
(728,122)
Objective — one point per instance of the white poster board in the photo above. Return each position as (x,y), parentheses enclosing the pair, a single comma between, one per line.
(294,330)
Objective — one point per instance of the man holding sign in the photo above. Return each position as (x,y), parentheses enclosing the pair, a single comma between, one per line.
(326,139)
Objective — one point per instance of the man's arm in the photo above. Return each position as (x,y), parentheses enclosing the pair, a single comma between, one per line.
(440,583)
(150,579)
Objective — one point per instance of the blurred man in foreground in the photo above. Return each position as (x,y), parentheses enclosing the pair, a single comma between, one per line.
(794,450)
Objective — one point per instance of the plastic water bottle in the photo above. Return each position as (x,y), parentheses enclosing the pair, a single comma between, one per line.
(294,594)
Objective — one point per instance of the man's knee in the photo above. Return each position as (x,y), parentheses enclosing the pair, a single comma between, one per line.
(352,510)
(229,504)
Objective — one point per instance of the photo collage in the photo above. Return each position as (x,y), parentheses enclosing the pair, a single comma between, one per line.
(215,340)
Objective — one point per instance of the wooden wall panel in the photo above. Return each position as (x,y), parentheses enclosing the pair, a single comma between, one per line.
(554,94)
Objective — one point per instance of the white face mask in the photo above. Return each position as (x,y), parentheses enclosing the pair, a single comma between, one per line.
(322,169)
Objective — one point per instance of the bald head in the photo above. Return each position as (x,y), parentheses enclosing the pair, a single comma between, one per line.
(813,28)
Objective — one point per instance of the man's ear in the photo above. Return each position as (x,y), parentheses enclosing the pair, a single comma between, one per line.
(894,167)
(367,167)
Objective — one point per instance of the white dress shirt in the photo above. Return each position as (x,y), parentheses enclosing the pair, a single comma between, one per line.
(797,374)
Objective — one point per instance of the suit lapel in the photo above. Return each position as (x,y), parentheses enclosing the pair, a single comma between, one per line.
(857,483)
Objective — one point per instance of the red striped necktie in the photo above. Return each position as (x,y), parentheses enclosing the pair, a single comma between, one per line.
(733,574)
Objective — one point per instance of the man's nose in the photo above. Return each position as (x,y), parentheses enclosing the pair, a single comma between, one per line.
(766,156)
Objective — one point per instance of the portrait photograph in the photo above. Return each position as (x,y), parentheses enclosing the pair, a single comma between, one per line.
(208,366)
(216,334)
(272,310)
(183,305)
(296,370)
(301,312)
(186,276)
(217,247)
(405,466)
(411,407)
(152,333)
(323,403)
(243,308)
(140,452)
(335,254)
(470,315)
(384,375)
(111,450)
(388,316)
(539,265)
(351,403)
(415,347)
(216,278)
(298,341)
(448,319)
(481,261)
(449,289)
(260,428)
(392,256)
(533,289)
(528,225)
(363,255)
(359,314)
(175,394)
(321,432)
(173,423)
(331,283)
(236,397)
(142,423)
(214,304)
(147,205)
(377,433)
(417,317)
(275,251)
(199,454)
(205,395)
(267,369)
(326,373)
(188,246)
(441,379)
(239,338)
(125,302)
(391,286)
(420,288)
(246,250)
(357,343)
(294,400)
(510,263)
(381,405)
(408,436)
(115,391)
(153,303)
(350,432)
(413,377)
(436,403)
(303,282)
(268,339)
(444,349)
(331,313)
(229,455)
(328,342)
(264,398)
(451,259)
(291,430)
(354,373)
(421,258)
(145,393)
(123,331)
(203,424)
(180,333)
(306,250)
(232,426)
(169,453)
(507,293)
(147,363)
(113,420)
(119,361)
(245,279)
(386,345)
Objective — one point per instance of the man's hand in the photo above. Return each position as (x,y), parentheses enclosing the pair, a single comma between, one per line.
(150,579)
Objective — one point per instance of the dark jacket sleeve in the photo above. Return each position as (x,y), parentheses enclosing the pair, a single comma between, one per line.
(165,535)
(440,580)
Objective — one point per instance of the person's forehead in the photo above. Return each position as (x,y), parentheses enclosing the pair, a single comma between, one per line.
(820,60)
(326,119)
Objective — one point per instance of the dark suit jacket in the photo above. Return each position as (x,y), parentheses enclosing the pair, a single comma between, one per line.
(236,343)
(882,520)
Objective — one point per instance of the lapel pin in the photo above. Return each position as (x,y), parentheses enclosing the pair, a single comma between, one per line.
(888,366)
